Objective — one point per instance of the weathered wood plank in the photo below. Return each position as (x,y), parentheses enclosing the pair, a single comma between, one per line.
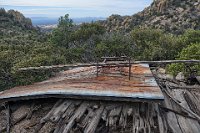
(77,115)
(95,121)
(171,117)
(103,64)
(47,117)
(8,118)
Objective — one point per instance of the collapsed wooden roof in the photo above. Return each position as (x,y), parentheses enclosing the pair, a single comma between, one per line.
(108,82)
(178,113)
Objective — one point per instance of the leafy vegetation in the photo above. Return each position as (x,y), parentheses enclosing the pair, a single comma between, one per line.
(61,35)
(153,44)
(22,45)
(114,44)
(190,49)
(188,53)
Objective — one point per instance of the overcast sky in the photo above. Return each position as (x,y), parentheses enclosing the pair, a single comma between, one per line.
(75,8)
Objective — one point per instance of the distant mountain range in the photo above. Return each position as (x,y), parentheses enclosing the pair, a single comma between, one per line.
(52,21)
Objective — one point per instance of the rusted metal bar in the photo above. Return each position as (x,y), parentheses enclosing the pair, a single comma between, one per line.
(97,69)
(130,69)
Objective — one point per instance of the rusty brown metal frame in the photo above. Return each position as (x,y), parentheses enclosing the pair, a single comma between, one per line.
(122,58)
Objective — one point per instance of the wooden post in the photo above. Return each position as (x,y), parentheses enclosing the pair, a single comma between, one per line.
(8,118)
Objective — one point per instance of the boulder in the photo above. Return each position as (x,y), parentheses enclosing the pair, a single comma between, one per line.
(180,76)
(197,3)
(179,9)
(169,76)
(161,70)
(198,79)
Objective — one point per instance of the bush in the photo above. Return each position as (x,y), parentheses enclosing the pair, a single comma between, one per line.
(6,63)
(188,53)
(153,44)
(191,36)
(115,44)
(13,57)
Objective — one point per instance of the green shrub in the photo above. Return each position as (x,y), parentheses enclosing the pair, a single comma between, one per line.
(153,44)
(115,44)
(188,53)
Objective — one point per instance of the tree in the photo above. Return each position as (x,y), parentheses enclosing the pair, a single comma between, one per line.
(2,12)
(86,32)
(61,35)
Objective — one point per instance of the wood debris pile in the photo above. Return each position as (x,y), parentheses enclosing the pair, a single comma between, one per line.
(178,113)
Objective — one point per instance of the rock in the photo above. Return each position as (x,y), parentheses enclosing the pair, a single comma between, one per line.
(156,19)
(161,70)
(180,9)
(168,9)
(180,77)
(195,4)
(160,76)
(198,79)
(169,76)
(182,83)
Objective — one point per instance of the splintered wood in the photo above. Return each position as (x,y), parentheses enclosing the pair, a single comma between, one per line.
(89,117)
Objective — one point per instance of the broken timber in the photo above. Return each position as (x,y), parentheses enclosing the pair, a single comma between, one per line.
(178,113)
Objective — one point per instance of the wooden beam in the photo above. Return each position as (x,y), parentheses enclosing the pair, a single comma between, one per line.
(103,64)
(167,61)
(122,57)
(95,120)
(176,112)
(177,103)
(8,118)
(187,87)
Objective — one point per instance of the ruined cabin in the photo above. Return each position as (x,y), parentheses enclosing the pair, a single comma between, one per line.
(113,96)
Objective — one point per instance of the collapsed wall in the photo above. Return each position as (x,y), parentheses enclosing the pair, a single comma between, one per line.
(180,112)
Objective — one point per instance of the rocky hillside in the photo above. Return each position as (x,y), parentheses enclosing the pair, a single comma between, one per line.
(16,29)
(170,15)
(14,18)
